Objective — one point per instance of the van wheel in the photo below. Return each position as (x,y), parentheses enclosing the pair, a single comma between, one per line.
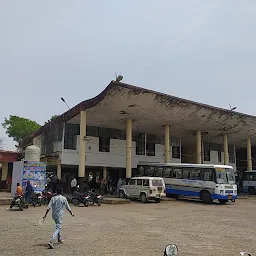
(143,198)
(122,194)
(251,191)
(157,200)
(205,197)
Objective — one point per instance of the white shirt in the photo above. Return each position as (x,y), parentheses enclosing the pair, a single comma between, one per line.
(57,204)
(73,183)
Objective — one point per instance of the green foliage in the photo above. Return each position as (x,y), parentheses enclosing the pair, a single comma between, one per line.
(53,117)
(19,127)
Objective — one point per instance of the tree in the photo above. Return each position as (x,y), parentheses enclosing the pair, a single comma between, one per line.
(53,117)
(19,127)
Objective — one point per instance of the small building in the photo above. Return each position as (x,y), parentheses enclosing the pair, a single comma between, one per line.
(6,164)
(125,124)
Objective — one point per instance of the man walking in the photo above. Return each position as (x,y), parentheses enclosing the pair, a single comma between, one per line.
(28,194)
(57,204)
(73,185)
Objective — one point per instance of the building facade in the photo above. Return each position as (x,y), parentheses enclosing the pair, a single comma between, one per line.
(111,133)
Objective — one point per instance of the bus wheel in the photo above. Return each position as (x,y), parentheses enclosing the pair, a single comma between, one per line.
(251,191)
(206,197)
(222,201)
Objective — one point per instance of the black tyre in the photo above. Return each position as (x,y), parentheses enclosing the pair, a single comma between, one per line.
(99,202)
(74,201)
(21,207)
(206,197)
(122,194)
(143,198)
(222,201)
(251,191)
(45,201)
(86,203)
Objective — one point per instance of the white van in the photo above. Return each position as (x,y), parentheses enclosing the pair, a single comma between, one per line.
(144,189)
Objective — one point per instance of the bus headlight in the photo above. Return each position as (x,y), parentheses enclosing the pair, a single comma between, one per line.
(222,191)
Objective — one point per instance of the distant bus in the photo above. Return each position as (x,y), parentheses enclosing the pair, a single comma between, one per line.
(249,182)
(203,181)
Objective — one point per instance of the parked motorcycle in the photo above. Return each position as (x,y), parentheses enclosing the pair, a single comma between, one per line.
(92,198)
(37,198)
(172,250)
(20,202)
(46,196)
(78,197)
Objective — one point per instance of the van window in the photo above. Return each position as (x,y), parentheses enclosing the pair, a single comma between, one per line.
(139,182)
(146,183)
(157,183)
(132,182)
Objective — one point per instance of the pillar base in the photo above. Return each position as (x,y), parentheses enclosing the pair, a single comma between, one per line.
(81,183)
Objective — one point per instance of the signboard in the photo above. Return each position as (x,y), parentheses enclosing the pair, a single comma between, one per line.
(35,172)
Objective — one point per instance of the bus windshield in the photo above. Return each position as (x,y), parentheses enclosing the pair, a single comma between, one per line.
(225,176)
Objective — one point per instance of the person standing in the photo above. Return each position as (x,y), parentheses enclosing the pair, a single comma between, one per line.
(57,204)
(28,194)
(54,181)
(73,184)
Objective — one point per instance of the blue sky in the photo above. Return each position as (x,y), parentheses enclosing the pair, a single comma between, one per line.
(200,50)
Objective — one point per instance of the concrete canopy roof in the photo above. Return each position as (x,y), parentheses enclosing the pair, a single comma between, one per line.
(151,110)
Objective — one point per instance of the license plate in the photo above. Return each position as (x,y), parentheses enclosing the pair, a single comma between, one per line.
(229,197)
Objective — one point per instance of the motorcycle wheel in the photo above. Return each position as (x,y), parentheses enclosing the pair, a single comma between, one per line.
(74,201)
(39,203)
(86,203)
(20,207)
(45,201)
(99,202)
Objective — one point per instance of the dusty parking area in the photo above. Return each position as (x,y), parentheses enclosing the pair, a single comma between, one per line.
(135,229)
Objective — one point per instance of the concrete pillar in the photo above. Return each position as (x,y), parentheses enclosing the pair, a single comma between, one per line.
(198,147)
(128,148)
(225,144)
(249,155)
(81,170)
(4,171)
(167,143)
(105,173)
(59,169)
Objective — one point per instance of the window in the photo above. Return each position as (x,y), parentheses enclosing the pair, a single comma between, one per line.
(132,182)
(176,152)
(219,156)
(150,171)
(146,183)
(207,154)
(177,173)
(159,172)
(232,158)
(92,131)
(195,174)
(139,182)
(167,172)
(104,144)
(150,145)
(157,183)
(207,175)
(141,171)
(140,143)
(185,173)
(70,136)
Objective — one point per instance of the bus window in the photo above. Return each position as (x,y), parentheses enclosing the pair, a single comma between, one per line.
(195,174)
(177,173)
(207,175)
(150,171)
(141,171)
(145,183)
(185,173)
(167,172)
(159,172)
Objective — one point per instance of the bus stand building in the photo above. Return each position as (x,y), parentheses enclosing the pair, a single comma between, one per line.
(125,124)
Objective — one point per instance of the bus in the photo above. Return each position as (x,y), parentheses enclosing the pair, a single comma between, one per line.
(249,182)
(204,181)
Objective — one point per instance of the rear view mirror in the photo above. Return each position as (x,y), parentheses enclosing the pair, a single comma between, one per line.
(171,250)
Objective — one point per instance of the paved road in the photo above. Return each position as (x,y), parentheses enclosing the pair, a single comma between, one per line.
(135,229)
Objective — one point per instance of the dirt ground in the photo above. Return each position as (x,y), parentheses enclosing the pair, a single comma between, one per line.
(135,229)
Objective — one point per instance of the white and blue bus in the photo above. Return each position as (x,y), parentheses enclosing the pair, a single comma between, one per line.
(203,181)
(249,182)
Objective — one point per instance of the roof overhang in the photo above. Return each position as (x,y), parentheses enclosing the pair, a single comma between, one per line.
(151,110)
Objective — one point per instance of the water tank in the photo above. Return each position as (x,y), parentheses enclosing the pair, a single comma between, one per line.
(32,154)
